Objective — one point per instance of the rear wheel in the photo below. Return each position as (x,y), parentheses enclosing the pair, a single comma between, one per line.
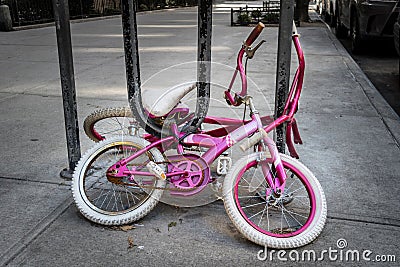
(109,122)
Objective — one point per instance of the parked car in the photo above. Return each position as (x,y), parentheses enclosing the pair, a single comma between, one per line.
(363,19)
(327,10)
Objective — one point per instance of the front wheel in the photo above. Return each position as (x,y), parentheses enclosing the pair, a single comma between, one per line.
(291,220)
(115,202)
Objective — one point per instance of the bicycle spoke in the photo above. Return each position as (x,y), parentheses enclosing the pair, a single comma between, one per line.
(296,190)
(302,202)
(286,220)
(266,206)
(252,186)
(252,205)
(248,197)
(256,213)
(292,212)
(127,196)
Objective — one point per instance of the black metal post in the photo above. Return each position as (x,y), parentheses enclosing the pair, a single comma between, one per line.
(283,66)
(130,34)
(131,48)
(61,16)
(132,65)
(204,25)
(231,16)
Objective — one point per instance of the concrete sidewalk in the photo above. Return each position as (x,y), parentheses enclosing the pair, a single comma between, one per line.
(351,143)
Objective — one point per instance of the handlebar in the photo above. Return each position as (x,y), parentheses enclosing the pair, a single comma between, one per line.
(254,34)
(235,101)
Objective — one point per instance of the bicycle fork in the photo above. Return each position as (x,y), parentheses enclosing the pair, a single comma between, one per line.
(276,181)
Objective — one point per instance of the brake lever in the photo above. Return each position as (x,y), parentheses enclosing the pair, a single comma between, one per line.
(251,51)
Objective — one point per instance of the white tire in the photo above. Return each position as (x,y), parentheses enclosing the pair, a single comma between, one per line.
(109,203)
(108,122)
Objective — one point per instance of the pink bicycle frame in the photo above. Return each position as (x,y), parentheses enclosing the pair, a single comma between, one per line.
(218,145)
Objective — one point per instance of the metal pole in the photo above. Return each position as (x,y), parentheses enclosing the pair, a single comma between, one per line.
(204,25)
(130,34)
(283,66)
(61,16)
(132,66)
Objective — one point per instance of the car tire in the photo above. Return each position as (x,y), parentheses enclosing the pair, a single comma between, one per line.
(340,30)
(333,20)
(355,35)
(326,16)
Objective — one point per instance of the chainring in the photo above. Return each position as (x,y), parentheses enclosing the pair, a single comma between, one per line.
(197,174)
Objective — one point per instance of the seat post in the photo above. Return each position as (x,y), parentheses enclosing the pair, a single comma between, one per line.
(175,132)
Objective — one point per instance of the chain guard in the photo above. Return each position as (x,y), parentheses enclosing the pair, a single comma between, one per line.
(179,184)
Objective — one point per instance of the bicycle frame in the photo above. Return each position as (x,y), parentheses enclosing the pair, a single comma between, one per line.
(219,140)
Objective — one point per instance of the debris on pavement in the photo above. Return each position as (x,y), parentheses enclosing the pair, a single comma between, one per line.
(171,224)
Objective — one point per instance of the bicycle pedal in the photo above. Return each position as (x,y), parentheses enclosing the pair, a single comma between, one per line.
(223,165)
(156,170)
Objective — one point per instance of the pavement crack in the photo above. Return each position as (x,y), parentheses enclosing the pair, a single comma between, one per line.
(362,221)
(34,181)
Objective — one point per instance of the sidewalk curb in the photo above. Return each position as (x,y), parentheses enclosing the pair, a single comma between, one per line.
(21,244)
(384,111)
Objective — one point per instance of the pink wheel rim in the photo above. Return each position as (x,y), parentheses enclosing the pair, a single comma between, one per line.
(96,134)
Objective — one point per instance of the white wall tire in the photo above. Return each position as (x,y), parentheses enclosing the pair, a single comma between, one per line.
(250,232)
(113,121)
(129,203)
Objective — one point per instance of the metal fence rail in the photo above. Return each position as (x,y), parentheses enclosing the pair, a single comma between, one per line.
(267,14)
(25,12)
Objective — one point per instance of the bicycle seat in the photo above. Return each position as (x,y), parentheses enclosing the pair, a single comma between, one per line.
(160,105)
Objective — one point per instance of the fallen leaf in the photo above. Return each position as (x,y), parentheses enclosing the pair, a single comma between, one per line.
(130,242)
(126,228)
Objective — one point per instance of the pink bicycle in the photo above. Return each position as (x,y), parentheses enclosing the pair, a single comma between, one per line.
(271,198)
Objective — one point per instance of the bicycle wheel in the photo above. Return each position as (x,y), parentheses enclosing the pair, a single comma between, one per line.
(291,220)
(111,202)
(108,122)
